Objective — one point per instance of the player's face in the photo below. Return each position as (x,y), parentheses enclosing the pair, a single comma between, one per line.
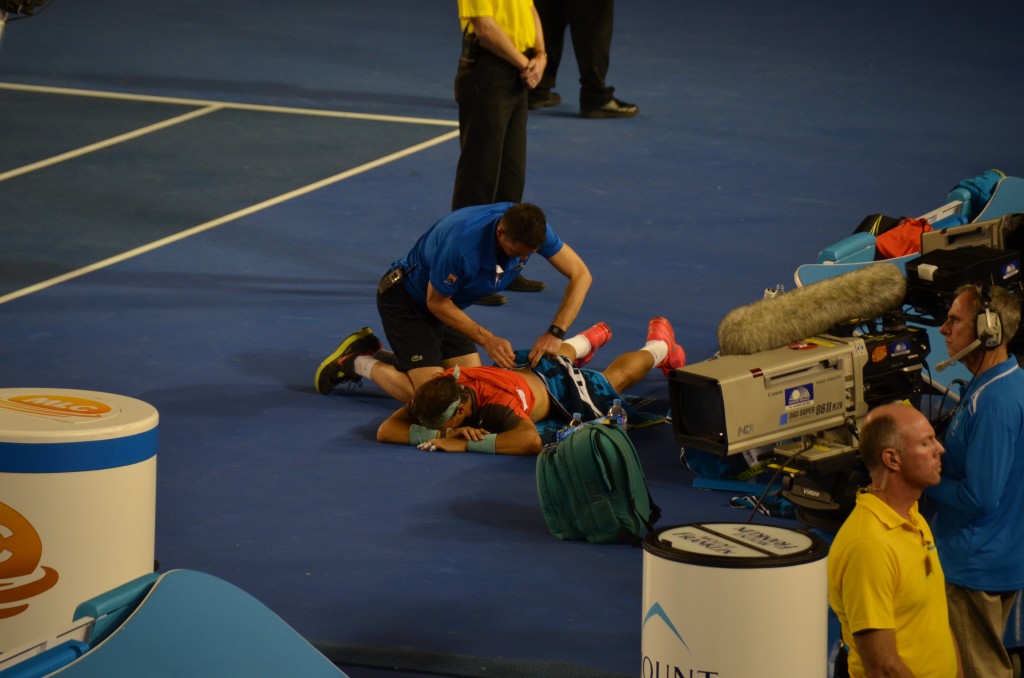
(458,418)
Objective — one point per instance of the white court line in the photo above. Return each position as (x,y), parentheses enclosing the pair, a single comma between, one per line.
(227,218)
(206,106)
(107,143)
(224,104)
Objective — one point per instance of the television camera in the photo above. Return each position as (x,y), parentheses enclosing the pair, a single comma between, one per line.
(804,402)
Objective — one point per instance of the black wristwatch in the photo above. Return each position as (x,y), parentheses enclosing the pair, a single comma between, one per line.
(557,331)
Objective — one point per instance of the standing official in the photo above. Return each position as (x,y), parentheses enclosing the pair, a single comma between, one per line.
(590,24)
(502,58)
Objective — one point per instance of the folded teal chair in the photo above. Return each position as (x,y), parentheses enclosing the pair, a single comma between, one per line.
(182,623)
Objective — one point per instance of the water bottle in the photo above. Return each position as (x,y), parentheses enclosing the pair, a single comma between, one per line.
(617,413)
(577,422)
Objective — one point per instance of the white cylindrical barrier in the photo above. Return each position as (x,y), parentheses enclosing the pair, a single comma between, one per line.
(733,601)
(77,503)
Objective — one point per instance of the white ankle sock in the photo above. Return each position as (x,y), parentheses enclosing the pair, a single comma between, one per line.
(364,365)
(657,348)
(580,344)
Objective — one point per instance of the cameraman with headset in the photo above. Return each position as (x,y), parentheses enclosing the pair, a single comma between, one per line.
(979,528)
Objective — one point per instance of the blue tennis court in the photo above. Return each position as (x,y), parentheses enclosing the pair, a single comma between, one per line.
(196,203)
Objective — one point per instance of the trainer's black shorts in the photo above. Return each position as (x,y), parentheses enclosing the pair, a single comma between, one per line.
(417,338)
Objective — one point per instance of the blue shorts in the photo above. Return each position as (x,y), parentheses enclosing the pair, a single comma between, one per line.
(572,389)
(578,390)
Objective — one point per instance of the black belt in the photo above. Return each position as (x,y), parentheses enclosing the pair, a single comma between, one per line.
(473,48)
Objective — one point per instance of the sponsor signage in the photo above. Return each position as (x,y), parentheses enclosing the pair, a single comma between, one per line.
(707,583)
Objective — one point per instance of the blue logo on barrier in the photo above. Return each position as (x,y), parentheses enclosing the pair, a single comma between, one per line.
(658,611)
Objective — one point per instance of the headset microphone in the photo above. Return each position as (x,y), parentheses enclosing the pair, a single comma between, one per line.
(958,355)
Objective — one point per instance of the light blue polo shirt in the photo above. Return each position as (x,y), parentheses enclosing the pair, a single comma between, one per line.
(979,528)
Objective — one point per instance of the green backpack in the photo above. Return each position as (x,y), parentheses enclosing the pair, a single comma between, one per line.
(591,486)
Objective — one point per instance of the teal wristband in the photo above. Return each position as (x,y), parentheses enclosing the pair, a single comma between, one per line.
(485,446)
(421,434)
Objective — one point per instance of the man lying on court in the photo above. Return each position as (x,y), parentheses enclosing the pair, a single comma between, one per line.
(493,410)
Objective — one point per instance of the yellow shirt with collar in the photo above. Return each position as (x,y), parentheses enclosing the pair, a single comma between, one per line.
(515,17)
(884,573)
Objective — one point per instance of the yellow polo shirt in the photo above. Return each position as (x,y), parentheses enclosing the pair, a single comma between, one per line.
(884,573)
(515,17)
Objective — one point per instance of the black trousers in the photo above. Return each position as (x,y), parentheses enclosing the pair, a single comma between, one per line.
(590,23)
(492,129)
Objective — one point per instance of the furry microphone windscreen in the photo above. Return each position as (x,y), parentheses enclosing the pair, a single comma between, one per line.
(806,311)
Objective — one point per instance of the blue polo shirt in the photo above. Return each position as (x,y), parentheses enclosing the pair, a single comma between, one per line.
(979,528)
(460,256)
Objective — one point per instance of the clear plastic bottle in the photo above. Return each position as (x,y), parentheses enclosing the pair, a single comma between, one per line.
(576,423)
(617,413)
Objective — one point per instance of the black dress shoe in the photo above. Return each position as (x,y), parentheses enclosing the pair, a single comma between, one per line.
(543,99)
(523,284)
(492,300)
(611,109)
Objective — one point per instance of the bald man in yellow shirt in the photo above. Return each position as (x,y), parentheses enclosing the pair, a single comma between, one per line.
(885,581)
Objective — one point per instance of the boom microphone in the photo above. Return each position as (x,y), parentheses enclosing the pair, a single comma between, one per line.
(806,311)
(958,355)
